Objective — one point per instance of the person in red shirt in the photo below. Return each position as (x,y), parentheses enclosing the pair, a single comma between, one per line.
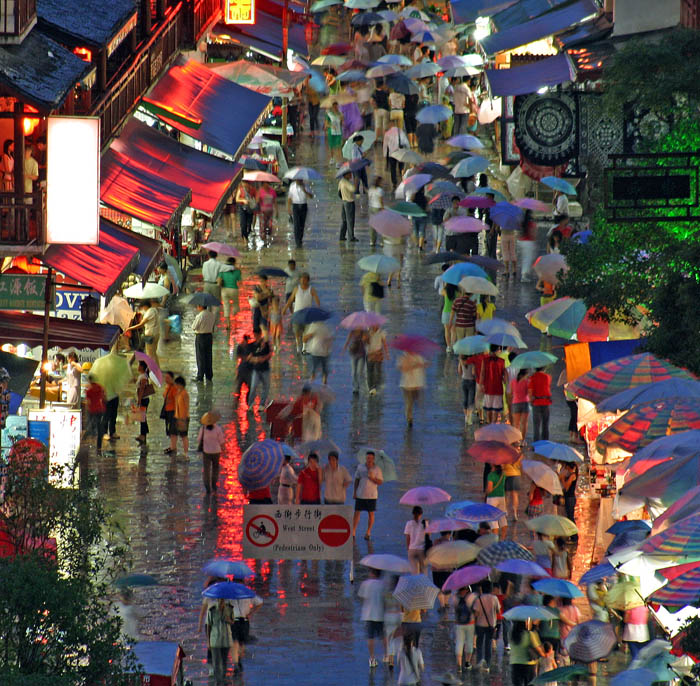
(540,391)
(260,496)
(492,379)
(309,483)
(96,401)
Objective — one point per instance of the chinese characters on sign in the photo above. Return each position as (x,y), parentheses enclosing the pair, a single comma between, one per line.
(64,440)
(297,532)
(22,292)
(239,12)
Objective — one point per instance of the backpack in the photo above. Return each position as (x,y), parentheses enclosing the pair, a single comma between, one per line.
(463,613)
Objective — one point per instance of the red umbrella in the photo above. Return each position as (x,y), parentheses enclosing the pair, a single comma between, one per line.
(493,452)
(337,49)
(419,345)
(480,202)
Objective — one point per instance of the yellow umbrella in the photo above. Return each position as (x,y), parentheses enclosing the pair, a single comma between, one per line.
(112,372)
(552,525)
(452,554)
(624,595)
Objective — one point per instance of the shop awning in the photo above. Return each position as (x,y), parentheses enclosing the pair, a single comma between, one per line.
(103,267)
(209,177)
(150,250)
(139,193)
(522,11)
(540,27)
(466,11)
(226,110)
(531,77)
(20,327)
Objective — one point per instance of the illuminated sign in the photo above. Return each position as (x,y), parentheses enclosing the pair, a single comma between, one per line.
(239,12)
(64,441)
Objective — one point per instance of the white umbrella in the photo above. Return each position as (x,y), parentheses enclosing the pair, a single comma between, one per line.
(407,156)
(416,592)
(387,563)
(119,312)
(368,138)
(151,291)
(478,284)
(544,476)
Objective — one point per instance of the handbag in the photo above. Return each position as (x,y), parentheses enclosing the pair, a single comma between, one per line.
(148,389)
(163,414)
(376,290)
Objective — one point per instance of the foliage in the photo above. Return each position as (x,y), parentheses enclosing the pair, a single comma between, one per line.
(690,637)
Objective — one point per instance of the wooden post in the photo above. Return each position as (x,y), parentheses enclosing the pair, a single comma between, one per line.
(146,17)
(48,302)
(101,65)
(19,217)
(285,43)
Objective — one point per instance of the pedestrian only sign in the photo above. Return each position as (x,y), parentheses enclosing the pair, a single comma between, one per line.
(297,532)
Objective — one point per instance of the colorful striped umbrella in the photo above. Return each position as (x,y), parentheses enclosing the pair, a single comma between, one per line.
(260,464)
(644,423)
(493,452)
(590,641)
(663,449)
(679,592)
(667,481)
(680,540)
(649,392)
(501,551)
(618,375)
(686,505)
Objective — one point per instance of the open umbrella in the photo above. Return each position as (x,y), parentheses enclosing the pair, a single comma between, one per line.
(630,525)
(407,156)
(466,141)
(368,138)
(452,554)
(321,6)
(417,345)
(361,4)
(560,674)
(443,186)
(687,504)
(493,452)
(435,526)
(503,550)
(590,641)
(634,677)
(118,311)
(681,590)
(604,570)
(534,359)
(321,446)
(260,464)
(382,460)
(544,476)
(657,390)
(302,174)
(662,449)
(387,563)
(149,291)
(532,204)
(381,70)
(521,613)
(409,209)
(400,60)
(401,83)
(486,540)
(507,216)
(496,325)
(362,320)
(656,657)
(506,340)
(487,190)
(261,177)
(200,299)
(464,225)
(471,345)
(521,567)
(548,267)
(223,568)
(425,495)
(466,576)
(470,166)
(422,70)
(626,539)
(308,315)
(275,272)
(416,592)
(366,18)
(390,223)
(478,202)
(379,264)
(228,590)
(151,364)
(433,114)
(560,588)
(444,256)
(224,248)
(552,525)
(477,512)
(135,580)
(478,285)
(503,433)
(435,169)
(457,272)
(112,372)
(558,184)
(625,595)
(680,540)
(557,451)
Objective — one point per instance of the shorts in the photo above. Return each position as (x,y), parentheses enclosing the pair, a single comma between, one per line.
(520,408)
(182,427)
(493,402)
(512,483)
(508,246)
(468,393)
(374,629)
(319,363)
(500,503)
(445,319)
(240,630)
(334,141)
(170,429)
(419,224)
(365,504)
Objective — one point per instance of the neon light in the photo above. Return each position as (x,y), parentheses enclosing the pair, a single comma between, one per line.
(239,12)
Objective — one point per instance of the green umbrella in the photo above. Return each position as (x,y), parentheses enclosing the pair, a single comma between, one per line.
(323,5)
(382,460)
(533,360)
(568,673)
(410,209)
(112,372)
(174,268)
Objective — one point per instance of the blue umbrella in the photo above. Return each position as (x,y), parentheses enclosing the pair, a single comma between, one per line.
(582,236)
(506,340)
(307,315)
(477,512)
(627,538)
(650,392)
(273,271)
(433,114)
(201,299)
(557,451)
(422,70)
(629,525)
(521,613)
(634,677)
(235,568)
(379,264)
(260,464)
(252,164)
(402,84)
(602,571)
(352,75)
(228,590)
(458,271)
(302,174)
(507,216)
(470,166)
(471,345)
(558,184)
(560,588)
(360,163)
(452,507)
(487,190)
(423,37)
(401,60)
(521,567)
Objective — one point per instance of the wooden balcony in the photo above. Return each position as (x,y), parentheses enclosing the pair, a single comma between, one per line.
(200,13)
(22,223)
(17,17)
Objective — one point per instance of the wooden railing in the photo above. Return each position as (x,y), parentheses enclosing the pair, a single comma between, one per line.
(22,222)
(199,14)
(15,16)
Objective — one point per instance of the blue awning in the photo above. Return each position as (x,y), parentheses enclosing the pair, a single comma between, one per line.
(523,11)
(541,27)
(466,11)
(531,77)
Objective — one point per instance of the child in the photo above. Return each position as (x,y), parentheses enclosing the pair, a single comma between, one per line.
(267,199)
(275,331)
(376,204)
(547,662)
(485,309)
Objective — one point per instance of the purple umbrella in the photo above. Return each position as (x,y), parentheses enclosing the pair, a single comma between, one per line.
(523,567)
(485,262)
(362,320)
(151,364)
(425,495)
(466,141)
(390,223)
(464,225)
(478,512)
(360,163)
(445,524)
(465,577)
(507,216)
(478,202)
(416,181)
(222,249)
(532,204)
(417,345)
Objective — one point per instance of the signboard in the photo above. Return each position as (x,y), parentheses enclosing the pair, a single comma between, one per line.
(297,532)
(22,292)
(239,12)
(68,302)
(64,439)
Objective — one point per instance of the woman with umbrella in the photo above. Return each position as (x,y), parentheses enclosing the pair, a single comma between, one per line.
(412,367)
(144,389)
(151,328)
(523,643)
(356,345)
(260,303)
(210,443)
(219,623)
(372,292)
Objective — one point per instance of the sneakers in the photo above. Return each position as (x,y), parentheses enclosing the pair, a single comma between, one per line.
(483,666)
(372,663)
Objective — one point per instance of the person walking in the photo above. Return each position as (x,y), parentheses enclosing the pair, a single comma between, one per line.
(492,379)
(144,389)
(260,303)
(462,316)
(181,417)
(496,496)
(525,649)
(528,244)
(356,345)
(219,621)
(288,479)
(463,604)
(259,359)
(414,531)
(449,295)
(375,202)
(395,139)
(466,371)
(309,482)
(96,402)
(412,367)
(486,608)
(302,297)
(377,351)
(336,480)
(519,402)
(244,370)
(229,280)
(298,198)
(561,560)
(568,478)
(211,269)
(111,416)
(372,292)
(267,209)
(167,414)
(150,323)
(318,342)
(346,190)
(372,593)
(245,208)
(334,131)
(210,442)
(569,617)
(291,281)
(368,478)
(203,327)
(513,472)
(540,391)
(380,104)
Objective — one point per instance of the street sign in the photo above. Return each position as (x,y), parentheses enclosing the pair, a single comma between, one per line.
(22,292)
(297,532)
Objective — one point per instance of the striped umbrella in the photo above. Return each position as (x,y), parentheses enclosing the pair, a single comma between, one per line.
(680,540)
(590,641)
(501,551)
(663,449)
(644,423)
(260,464)
(416,592)
(681,591)
(649,392)
(686,505)
(618,375)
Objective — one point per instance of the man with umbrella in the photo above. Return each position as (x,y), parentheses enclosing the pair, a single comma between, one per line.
(203,327)
(211,269)
(346,190)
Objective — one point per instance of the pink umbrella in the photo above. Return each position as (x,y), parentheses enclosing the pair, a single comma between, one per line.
(391,224)
(222,249)
(363,320)
(464,225)
(418,345)
(466,576)
(532,204)
(435,526)
(547,267)
(151,364)
(502,433)
(479,202)
(416,181)
(424,495)
(259,176)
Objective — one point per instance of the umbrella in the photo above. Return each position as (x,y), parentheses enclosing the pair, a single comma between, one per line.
(378,264)
(535,359)
(558,184)
(503,433)
(201,299)
(466,576)
(387,563)
(222,568)
(452,554)
(506,340)
(680,591)
(400,60)
(308,315)
(487,190)
(112,372)
(409,209)
(260,464)
(302,174)
(464,225)
(521,567)
(496,325)
(552,525)
(442,257)
(356,165)
(424,495)
(425,37)
(567,673)
(118,311)
(351,75)
(532,204)
(667,482)
(321,446)
(150,291)
(477,512)
(492,554)
(634,677)
(662,449)
(363,320)
(630,525)
(435,526)
(422,70)
(457,272)
(686,505)
(407,156)
(470,166)
(557,451)
(548,267)
(625,595)
(485,262)
(337,49)
(444,186)
(507,216)
(466,141)
(521,613)
(414,344)
(229,590)
(680,539)
(340,98)
(471,345)
(657,390)
(401,83)
(604,570)
(478,284)
(390,223)
(272,271)
(368,138)
(224,248)
(261,177)
(582,236)
(438,171)
(544,476)
(463,70)
(151,364)
(477,202)
(414,182)
(493,452)
(382,460)
(135,580)
(590,641)
(486,540)
(626,539)
(381,70)
(361,4)
(365,18)
(433,114)
(320,6)
(560,588)
(416,592)
(655,656)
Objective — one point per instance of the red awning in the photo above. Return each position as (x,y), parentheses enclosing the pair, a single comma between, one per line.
(103,267)
(209,177)
(139,193)
(150,250)
(20,327)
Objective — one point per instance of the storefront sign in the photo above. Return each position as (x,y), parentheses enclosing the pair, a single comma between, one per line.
(119,37)
(64,440)
(68,303)
(22,292)
(297,532)
(239,12)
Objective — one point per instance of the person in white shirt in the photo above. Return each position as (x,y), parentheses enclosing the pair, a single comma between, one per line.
(303,296)
(210,275)
(288,479)
(318,341)
(372,594)
(412,367)
(368,478)
(203,327)
(376,204)
(292,280)
(460,100)
(150,323)
(336,480)
(297,207)
(561,203)
(415,541)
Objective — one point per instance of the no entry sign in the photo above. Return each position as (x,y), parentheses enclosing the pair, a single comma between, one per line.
(297,532)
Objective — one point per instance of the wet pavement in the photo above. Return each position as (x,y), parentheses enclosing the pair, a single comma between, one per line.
(308,630)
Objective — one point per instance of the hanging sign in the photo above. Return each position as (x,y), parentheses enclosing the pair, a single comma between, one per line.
(239,12)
